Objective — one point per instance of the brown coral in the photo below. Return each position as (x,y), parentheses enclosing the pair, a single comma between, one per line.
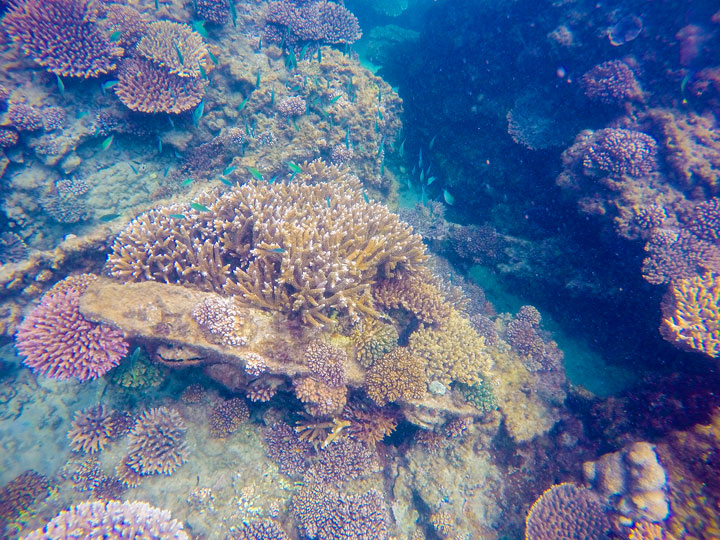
(174,47)
(62,36)
(326,363)
(91,429)
(17,495)
(396,375)
(369,424)
(417,292)
(157,443)
(144,87)
(371,339)
(227,416)
(319,398)
(308,248)
(131,24)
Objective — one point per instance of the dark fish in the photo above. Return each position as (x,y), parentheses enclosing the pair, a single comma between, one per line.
(109,217)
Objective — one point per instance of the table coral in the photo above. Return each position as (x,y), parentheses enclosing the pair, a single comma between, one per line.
(453,353)
(307,248)
(157,442)
(91,429)
(175,47)
(692,314)
(112,520)
(62,36)
(567,512)
(58,342)
(394,376)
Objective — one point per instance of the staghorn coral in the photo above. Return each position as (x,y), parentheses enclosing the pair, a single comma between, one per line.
(372,339)
(144,87)
(326,363)
(111,520)
(418,292)
(319,398)
(308,248)
(300,21)
(453,352)
(157,442)
(678,254)
(226,417)
(327,515)
(611,82)
(175,47)
(621,151)
(567,512)
(286,449)
(58,342)
(394,376)
(91,429)
(258,529)
(20,493)
(62,36)
(691,311)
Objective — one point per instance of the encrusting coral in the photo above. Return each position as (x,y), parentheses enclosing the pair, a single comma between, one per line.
(308,248)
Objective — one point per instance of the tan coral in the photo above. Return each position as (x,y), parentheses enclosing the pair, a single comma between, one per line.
(371,339)
(319,398)
(453,353)
(175,47)
(91,429)
(395,376)
(416,292)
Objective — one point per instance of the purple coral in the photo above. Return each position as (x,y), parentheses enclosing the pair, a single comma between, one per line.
(62,36)
(215,11)
(611,82)
(292,107)
(8,137)
(112,520)
(678,254)
(258,529)
(25,117)
(53,118)
(286,449)
(327,363)
(322,21)
(341,461)
(58,342)
(704,220)
(621,151)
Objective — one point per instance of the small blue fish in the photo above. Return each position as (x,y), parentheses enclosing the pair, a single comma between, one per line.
(382,146)
(159,144)
(109,217)
(277,250)
(257,80)
(367,200)
(347,138)
(327,198)
(432,141)
(203,73)
(167,170)
(333,100)
(107,142)
(409,185)
(291,177)
(115,36)
(225,181)
(180,56)
(199,207)
(402,147)
(187,182)
(244,102)
(293,167)
(423,196)
(81,114)
(379,94)
(303,51)
(177,154)
(272,179)
(107,85)
(133,168)
(157,5)
(172,124)
(233,12)
(257,175)
(319,55)
(228,170)
(198,112)
(272,97)
(199,27)
(422,176)
(420,159)
(448,197)
(212,56)
(430,180)
(61,85)
(177,216)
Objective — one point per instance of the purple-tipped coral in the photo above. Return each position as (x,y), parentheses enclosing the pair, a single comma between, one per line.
(621,151)
(25,117)
(341,461)
(286,449)
(674,255)
(58,342)
(215,11)
(62,36)
(8,137)
(111,520)
(322,21)
(91,429)
(611,82)
(291,107)
(327,363)
(144,87)
(704,220)
(157,442)
(258,529)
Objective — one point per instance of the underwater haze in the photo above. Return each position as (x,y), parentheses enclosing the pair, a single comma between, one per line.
(359,270)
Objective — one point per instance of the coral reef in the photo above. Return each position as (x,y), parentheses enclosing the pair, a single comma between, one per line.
(417,292)
(632,481)
(58,342)
(261,529)
(214,11)
(174,47)
(157,442)
(112,520)
(219,317)
(25,117)
(320,21)
(567,512)
(394,376)
(319,398)
(137,371)
(91,429)
(611,82)
(226,417)
(327,363)
(286,449)
(62,36)
(690,312)
(22,491)
(12,248)
(305,259)
(342,461)
(621,151)
(372,339)
(675,255)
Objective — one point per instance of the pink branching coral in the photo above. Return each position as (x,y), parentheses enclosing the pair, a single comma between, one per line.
(58,342)
(157,442)
(611,82)
(62,36)
(567,512)
(621,151)
(111,520)
(91,429)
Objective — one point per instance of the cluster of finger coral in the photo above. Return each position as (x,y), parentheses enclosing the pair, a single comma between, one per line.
(63,36)
(372,339)
(58,342)
(157,443)
(226,417)
(692,314)
(258,529)
(111,520)
(307,249)
(326,363)
(416,292)
(397,375)
(91,429)
(17,495)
